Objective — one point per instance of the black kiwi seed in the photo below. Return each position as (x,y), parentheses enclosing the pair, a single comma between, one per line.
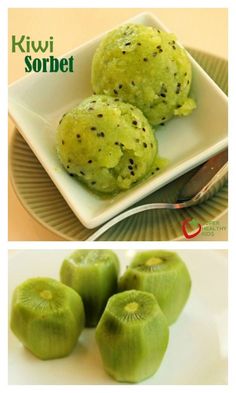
(178,88)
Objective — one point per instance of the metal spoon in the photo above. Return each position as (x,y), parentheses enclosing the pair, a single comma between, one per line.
(206,190)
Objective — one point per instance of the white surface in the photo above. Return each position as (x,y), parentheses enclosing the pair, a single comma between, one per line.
(193,139)
(197,351)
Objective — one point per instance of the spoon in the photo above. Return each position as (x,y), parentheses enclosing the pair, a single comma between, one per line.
(203,185)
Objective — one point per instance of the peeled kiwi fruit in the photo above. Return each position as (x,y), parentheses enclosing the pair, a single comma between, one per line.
(94,275)
(47,317)
(162,273)
(132,336)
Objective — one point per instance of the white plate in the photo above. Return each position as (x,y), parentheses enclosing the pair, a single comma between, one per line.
(37,102)
(197,351)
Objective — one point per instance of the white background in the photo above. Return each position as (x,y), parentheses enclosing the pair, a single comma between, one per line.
(197,350)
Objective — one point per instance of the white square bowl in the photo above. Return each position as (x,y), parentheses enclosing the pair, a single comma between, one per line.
(37,102)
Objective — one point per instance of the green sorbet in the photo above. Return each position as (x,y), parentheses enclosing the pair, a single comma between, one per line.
(147,68)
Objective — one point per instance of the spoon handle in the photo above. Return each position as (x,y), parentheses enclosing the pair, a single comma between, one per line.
(203,176)
(135,210)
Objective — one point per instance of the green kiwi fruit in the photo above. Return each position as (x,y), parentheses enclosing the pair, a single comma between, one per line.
(94,275)
(162,273)
(132,336)
(47,317)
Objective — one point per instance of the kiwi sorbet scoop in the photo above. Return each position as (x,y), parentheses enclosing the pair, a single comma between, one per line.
(106,144)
